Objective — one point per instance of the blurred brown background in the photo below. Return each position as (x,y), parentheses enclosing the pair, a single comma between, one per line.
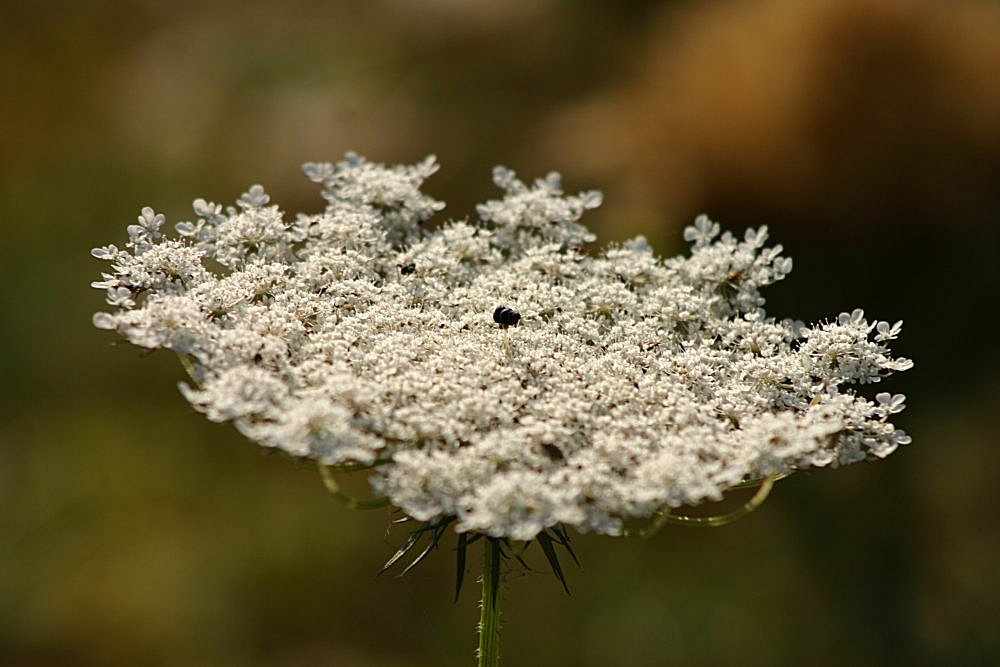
(866,133)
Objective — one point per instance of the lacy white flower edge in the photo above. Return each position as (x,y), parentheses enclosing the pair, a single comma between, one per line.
(630,383)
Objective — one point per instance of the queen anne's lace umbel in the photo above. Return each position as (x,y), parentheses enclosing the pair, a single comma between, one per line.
(630,383)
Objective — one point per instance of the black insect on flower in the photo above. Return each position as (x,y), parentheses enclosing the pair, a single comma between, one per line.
(407,269)
(506,317)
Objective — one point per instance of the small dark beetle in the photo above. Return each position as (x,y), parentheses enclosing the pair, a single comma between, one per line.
(407,269)
(506,317)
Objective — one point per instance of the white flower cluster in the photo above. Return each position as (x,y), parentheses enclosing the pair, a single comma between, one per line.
(630,383)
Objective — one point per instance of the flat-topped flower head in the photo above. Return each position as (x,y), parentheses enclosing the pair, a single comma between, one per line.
(629,384)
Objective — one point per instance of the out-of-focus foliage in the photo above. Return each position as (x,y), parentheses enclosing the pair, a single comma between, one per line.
(864,132)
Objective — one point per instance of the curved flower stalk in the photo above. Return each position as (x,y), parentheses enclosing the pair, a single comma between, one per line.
(494,376)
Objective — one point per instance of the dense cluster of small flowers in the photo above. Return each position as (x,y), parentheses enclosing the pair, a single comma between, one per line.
(627,384)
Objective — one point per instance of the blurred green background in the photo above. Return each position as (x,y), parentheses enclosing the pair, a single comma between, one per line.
(866,133)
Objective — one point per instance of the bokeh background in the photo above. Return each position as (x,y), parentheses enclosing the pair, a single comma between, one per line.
(866,133)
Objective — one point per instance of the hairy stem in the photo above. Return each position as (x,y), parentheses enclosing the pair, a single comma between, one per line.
(489,617)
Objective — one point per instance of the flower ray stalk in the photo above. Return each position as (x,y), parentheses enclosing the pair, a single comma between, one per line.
(350,501)
(668,517)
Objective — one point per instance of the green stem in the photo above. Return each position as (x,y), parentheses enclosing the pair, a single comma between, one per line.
(489,617)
